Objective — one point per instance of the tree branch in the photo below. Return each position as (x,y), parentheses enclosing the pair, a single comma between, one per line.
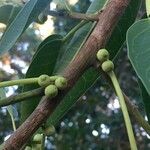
(83,60)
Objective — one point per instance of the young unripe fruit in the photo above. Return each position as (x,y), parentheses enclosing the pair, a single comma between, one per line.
(61,83)
(49,130)
(42,18)
(38,138)
(102,55)
(28,148)
(44,80)
(107,66)
(51,91)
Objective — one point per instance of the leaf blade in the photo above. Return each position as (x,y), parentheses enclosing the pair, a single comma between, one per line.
(24,18)
(43,62)
(138,37)
(138,50)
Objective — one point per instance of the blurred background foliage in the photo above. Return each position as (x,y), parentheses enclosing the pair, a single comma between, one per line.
(95,122)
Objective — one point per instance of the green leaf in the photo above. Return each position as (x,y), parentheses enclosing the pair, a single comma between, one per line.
(24,18)
(47,40)
(5,12)
(90,76)
(147,7)
(119,34)
(8,13)
(138,37)
(43,63)
(15,10)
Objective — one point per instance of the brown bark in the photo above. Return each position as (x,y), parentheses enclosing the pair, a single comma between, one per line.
(85,58)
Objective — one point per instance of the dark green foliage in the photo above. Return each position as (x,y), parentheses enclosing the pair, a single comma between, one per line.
(139,55)
(8,13)
(43,62)
(24,18)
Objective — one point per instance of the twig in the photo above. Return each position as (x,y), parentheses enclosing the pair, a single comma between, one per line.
(19,82)
(20,97)
(24,81)
(73,15)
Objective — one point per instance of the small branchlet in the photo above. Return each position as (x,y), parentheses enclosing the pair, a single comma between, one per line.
(73,15)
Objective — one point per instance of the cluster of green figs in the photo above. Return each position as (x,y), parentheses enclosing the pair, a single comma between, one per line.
(52,84)
(103,57)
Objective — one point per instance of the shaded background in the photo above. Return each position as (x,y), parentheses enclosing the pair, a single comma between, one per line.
(95,122)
